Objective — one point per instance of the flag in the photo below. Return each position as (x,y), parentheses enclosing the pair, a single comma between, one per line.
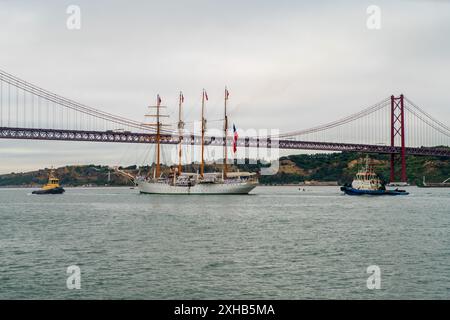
(236,136)
(206,95)
(181,97)
(159,99)
(227,94)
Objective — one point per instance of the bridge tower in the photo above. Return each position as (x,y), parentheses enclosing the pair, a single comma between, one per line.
(398,130)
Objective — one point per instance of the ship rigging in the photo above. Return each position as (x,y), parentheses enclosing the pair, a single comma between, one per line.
(179,182)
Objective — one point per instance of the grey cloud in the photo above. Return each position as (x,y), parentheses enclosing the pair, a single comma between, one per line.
(289,64)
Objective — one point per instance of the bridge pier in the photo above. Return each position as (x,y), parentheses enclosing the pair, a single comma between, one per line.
(398,130)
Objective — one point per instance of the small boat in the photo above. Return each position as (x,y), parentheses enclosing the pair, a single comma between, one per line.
(443,184)
(52,186)
(368,183)
(398,184)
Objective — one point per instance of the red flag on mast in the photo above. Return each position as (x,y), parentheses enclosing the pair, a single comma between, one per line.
(206,95)
(236,136)
(227,93)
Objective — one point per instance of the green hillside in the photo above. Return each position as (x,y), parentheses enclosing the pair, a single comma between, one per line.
(340,167)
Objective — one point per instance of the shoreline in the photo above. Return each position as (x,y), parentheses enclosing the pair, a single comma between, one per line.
(115,186)
(70,187)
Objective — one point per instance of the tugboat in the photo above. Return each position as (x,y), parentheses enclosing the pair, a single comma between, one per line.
(52,186)
(368,183)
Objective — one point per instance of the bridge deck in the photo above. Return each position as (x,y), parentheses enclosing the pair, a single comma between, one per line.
(130,137)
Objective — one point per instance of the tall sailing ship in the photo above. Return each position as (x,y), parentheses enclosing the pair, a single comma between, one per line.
(179,182)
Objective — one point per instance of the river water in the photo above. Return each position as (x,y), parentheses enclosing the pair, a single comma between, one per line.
(277,243)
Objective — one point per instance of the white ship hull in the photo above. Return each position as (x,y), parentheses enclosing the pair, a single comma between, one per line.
(199,188)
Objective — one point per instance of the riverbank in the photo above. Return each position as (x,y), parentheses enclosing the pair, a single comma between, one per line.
(331,169)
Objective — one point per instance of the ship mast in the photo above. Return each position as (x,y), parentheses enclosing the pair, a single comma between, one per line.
(180,131)
(225,130)
(158,125)
(158,138)
(202,164)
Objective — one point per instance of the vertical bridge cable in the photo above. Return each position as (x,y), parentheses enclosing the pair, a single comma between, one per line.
(1,103)
(429,131)
(70,104)
(371,126)
(428,128)
(356,128)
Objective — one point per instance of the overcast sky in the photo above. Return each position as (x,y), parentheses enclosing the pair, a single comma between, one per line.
(289,64)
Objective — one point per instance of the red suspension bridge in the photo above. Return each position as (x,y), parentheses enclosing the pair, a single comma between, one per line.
(394,126)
